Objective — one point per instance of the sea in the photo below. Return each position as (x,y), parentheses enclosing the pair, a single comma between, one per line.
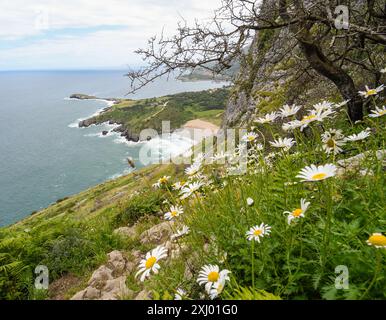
(45,156)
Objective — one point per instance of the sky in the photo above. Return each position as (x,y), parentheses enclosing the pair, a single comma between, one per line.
(87,34)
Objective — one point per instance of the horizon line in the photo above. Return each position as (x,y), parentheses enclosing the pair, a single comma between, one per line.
(67,69)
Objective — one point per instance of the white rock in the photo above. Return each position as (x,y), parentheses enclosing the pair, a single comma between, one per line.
(157,234)
(100,276)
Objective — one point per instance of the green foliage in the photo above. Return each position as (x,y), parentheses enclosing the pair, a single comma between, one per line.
(72,236)
(14,278)
(139,206)
(245,293)
(296,261)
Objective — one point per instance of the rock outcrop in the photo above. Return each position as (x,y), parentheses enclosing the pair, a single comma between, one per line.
(355,163)
(158,234)
(108,282)
(258,73)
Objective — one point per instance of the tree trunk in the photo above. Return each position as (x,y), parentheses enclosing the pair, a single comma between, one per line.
(320,63)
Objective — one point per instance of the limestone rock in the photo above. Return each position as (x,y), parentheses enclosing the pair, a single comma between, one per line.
(129,232)
(108,282)
(79,295)
(115,289)
(116,262)
(100,276)
(91,293)
(354,163)
(157,234)
(143,295)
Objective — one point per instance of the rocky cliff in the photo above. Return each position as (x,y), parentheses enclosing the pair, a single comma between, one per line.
(270,76)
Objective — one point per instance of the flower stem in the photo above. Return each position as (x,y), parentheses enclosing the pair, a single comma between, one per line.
(378,268)
(253,263)
(327,229)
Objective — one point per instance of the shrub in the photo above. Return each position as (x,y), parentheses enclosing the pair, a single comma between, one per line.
(140,205)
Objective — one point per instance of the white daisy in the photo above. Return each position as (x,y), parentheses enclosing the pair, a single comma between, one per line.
(218,288)
(190,189)
(322,106)
(220,157)
(299,212)
(314,115)
(150,263)
(341,104)
(180,294)
(250,137)
(156,185)
(383,70)
(257,147)
(178,185)
(270,117)
(161,182)
(180,233)
(371,92)
(193,169)
(174,212)
(257,232)
(210,274)
(360,136)
(317,173)
(378,240)
(200,158)
(250,202)
(333,140)
(287,110)
(270,156)
(285,143)
(378,112)
(292,125)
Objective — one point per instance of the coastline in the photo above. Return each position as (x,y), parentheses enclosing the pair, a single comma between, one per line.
(100,111)
(120,113)
(177,143)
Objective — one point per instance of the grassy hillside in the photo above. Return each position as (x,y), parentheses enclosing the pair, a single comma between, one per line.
(301,259)
(74,235)
(341,229)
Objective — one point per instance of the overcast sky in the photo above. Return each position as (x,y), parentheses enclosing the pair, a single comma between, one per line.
(86,34)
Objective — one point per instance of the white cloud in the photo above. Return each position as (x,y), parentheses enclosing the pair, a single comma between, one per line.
(24,23)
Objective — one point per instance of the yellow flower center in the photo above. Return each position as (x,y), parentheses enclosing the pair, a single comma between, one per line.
(310,117)
(150,262)
(371,92)
(213,276)
(163,180)
(251,138)
(378,240)
(330,143)
(382,112)
(257,232)
(174,213)
(297,212)
(319,176)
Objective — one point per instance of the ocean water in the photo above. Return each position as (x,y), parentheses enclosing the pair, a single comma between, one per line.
(44,156)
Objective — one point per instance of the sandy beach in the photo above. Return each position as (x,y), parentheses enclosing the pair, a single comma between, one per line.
(201,124)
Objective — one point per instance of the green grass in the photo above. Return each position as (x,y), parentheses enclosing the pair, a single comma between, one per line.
(296,261)
(74,235)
